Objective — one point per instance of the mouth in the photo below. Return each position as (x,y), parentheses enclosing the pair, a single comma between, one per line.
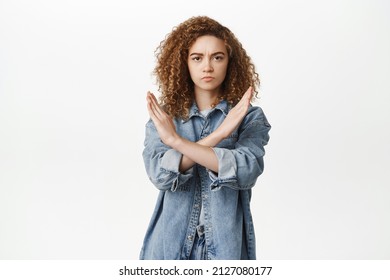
(207,78)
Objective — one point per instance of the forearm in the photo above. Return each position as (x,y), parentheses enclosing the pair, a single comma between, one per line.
(199,152)
(210,141)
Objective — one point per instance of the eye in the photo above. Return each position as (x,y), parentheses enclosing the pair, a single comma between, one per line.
(196,58)
(219,57)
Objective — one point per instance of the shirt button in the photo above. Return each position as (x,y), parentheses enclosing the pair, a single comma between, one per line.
(196,205)
(189,237)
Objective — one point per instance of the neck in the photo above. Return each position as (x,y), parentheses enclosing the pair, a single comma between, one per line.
(206,100)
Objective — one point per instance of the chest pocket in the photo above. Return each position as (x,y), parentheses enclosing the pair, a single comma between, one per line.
(229,142)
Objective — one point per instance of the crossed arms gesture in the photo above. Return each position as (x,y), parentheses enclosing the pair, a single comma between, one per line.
(197,152)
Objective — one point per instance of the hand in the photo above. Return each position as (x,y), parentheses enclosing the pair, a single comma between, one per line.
(236,114)
(163,122)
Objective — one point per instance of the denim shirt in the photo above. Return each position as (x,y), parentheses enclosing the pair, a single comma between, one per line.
(225,196)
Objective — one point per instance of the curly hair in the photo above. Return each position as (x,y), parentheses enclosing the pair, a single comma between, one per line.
(172,74)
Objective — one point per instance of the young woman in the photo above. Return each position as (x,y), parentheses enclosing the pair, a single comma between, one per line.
(204,145)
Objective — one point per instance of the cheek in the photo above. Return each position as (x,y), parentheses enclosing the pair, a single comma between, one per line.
(192,74)
(191,69)
(223,72)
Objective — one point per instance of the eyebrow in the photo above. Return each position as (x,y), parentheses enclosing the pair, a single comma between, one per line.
(201,54)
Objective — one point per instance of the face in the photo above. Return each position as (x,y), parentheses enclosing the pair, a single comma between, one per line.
(207,64)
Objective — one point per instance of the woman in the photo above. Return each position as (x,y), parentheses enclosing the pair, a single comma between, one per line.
(204,145)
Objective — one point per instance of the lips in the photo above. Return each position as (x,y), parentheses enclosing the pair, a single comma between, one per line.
(207,78)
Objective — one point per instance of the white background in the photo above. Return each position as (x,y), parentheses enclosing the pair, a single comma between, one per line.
(73,79)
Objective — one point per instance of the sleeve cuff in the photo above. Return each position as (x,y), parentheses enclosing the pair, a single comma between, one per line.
(227,170)
(171,161)
(170,164)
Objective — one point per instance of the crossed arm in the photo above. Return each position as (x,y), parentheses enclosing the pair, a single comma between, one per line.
(197,152)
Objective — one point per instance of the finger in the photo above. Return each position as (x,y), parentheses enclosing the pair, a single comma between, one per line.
(149,100)
(148,97)
(154,99)
(252,93)
(244,103)
(245,97)
(154,106)
(249,93)
(151,110)
(152,114)
(151,97)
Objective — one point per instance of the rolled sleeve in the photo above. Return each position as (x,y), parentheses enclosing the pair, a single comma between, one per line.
(227,170)
(162,163)
(170,163)
(239,168)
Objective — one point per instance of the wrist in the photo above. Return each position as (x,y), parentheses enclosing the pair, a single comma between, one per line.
(213,139)
(176,142)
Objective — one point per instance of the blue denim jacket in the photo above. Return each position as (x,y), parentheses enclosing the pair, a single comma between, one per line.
(225,197)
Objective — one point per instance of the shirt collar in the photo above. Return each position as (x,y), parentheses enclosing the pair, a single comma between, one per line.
(223,106)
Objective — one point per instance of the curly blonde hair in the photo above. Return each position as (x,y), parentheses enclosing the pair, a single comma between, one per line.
(172,74)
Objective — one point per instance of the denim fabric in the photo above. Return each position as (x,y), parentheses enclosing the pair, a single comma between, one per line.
(199,249)
(225,196)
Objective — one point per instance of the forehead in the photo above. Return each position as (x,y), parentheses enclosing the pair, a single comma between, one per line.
(208,43)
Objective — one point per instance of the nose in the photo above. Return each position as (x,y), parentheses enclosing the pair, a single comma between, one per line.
(208,67)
